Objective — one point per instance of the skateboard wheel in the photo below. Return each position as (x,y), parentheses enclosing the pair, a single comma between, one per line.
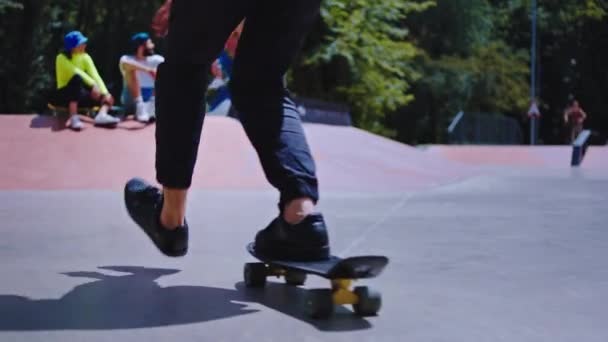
(369,302)
(255,274)
(319,303)
(295,278)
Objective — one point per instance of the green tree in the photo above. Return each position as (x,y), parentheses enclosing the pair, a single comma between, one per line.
(573,36)
(365,56)
(405,67)
(466,66)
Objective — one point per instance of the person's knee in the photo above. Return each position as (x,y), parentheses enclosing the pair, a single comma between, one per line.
(183,88)
(190,77)
(249,92)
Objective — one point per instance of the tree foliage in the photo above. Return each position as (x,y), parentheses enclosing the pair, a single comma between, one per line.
(366,48)
(404,67)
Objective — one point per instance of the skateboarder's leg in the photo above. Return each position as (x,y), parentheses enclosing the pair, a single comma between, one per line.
(272,35)
(197,32)
(271,38)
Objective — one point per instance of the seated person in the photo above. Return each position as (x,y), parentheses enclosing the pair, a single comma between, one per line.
(218,95)
(218,100)
(139,73)
(79,83)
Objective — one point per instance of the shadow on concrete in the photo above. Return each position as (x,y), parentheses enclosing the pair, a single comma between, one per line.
(57,124)
(120,302)
(44,121)
(135,300)
(289,300)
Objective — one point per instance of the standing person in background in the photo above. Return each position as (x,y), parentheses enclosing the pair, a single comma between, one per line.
(574,117)
(79,83)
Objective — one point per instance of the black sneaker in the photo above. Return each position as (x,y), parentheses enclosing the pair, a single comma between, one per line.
(305,241)
(144,203)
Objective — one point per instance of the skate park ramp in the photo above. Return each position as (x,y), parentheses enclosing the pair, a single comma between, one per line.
(487,243)
(520,156)
(51,157)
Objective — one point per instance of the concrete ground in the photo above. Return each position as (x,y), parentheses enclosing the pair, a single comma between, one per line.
(480,250)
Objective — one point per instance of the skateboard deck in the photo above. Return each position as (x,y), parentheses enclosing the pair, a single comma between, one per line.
(340,271)
(358,267)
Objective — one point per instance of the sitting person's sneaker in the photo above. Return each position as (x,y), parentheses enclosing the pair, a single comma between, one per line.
(151,108)
(75,123)
(305,241)
(141,114)
(105,119)
(144,203)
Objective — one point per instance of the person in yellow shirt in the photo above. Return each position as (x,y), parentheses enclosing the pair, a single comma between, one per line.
(79,83)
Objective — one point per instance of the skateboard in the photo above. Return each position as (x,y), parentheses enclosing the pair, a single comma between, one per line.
(341,272)
(88,111)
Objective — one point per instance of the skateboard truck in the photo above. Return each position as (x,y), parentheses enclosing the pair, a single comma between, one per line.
(318,303)
(342,293)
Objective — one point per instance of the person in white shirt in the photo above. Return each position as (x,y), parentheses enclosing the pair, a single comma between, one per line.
(139,74)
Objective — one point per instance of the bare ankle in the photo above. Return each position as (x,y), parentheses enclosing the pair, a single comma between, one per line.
(171,220)
(174,208)
(297,210)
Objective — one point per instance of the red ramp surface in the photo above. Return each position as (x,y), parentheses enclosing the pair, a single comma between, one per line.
(39,153)
(531,156)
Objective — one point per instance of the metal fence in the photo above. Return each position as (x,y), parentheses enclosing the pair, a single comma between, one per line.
(484,128)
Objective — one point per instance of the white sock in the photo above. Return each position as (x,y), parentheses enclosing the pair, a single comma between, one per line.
(139,100)
(151,106)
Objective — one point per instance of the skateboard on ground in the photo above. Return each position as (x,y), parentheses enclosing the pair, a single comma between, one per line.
(320,303)
(88,111)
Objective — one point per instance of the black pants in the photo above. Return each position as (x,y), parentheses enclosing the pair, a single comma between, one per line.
(271,37)
(75,90)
